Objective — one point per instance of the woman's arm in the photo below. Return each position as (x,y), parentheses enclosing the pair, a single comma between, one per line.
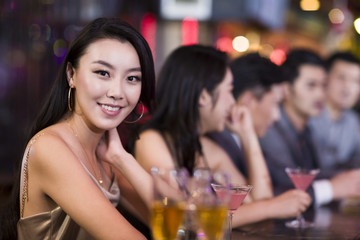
(131,200)
(259,177)
(218,160)
(111,150)
(56,173)
(288,204)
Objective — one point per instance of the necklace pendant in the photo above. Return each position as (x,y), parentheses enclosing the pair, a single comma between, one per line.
(100,181)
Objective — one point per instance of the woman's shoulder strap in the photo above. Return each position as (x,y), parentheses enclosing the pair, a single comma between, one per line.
(25,172)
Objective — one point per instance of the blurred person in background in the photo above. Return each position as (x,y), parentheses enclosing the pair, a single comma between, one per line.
(289,143)
(194,97)
(74,164)
(337,130)
(257,87)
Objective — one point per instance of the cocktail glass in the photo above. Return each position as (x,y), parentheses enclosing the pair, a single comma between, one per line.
(169,203)
(301,178)
(238,193)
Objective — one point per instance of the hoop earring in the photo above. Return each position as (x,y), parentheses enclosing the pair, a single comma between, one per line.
(141,115)
(69,99)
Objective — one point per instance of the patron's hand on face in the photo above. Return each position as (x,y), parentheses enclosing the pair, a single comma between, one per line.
(240,121)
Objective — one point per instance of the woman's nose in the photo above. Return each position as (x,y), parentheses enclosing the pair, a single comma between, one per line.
(115,89)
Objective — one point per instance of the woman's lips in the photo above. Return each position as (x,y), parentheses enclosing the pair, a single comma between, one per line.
(111,110)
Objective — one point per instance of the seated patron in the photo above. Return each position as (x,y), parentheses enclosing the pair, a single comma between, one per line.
(337,130)
(289,143)
(194,97)
(256,87)
(74,165)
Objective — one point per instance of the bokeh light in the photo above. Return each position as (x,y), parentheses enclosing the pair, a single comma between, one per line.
(336,16)
(241,44)
(190,31)
(60,48)
(310,5)
(148,30)
(278,56)
(224,44)
(357,25)
(47,32)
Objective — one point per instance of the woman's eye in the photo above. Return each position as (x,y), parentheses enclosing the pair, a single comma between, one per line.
(102,73)
(134,78)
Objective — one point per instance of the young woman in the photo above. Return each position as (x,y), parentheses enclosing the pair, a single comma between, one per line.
(193,97)
(74,163)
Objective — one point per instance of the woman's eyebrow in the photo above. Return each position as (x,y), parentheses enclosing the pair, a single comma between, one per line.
(104,63)
(135,69)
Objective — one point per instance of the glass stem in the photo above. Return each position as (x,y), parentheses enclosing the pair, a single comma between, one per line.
(300,220)
(229,231)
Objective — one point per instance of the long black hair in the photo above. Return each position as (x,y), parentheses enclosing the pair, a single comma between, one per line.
(55,106)
(186,72)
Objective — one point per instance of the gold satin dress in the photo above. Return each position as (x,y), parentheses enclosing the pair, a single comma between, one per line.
(56,224)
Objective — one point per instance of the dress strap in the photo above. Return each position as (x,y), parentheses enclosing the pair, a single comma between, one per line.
(205,161)
(171,150)
(25,196)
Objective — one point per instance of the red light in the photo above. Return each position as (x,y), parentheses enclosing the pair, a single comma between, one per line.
(190,31)
(148,30)
(278,56)
(224,44)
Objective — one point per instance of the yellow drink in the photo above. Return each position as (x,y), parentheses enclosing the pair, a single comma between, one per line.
(165,220)
(212,220)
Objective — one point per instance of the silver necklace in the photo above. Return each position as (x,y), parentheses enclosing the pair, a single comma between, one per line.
(99,179)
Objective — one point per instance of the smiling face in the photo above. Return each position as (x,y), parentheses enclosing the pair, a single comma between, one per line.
(216,108)
(343,87)
(107,83)
(306,94)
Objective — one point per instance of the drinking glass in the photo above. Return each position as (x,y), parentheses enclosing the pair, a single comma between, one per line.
(210,211)
(169,202)
(301,178)
(238,193)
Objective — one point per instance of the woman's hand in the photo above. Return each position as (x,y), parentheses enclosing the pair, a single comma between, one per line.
(110,148)
(240,121)
(289,204)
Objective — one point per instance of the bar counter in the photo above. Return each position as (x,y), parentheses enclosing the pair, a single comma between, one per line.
(338,220)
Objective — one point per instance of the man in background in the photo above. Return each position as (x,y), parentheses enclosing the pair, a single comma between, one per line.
(336,130)
(289,143)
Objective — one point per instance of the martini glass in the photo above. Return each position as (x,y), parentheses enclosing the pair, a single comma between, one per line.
(301,178)
(237,196)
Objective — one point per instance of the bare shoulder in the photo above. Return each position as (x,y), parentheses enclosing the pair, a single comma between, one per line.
(151,150)
(150,134)
(211,147)
(47,147)
(150,138)
(213,152)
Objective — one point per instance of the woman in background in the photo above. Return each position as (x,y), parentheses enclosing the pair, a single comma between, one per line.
(193,97)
